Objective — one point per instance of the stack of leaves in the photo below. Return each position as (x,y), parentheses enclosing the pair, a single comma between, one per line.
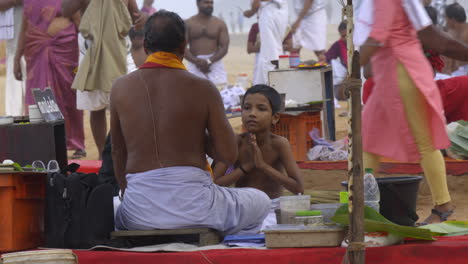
(375,222)
(452,228)
(10,167)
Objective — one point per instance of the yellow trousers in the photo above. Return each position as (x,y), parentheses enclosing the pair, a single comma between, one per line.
(432,162)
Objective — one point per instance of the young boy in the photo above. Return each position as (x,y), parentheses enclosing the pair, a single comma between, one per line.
(265,160)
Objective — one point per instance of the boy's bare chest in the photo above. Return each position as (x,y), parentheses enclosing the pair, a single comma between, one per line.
(269,153)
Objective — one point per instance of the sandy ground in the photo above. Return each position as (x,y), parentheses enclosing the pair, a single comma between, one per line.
(237,62)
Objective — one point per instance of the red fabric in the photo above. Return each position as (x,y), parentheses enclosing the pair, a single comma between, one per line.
(434,58)
(344,51)
(253,33)
(453,250)
(88,166)
(149,65)
(454,93)
(454,167)
(367,89)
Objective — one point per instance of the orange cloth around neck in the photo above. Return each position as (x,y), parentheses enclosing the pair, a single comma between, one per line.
(163,60)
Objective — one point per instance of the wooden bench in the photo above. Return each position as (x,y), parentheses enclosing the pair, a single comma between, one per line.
(207,236)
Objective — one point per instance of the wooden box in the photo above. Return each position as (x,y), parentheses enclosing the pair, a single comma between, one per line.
(307,237)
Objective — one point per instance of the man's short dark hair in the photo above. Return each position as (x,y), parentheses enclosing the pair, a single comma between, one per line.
(432,12)
(456,12)
(271,94)
(164,31)
(343,25)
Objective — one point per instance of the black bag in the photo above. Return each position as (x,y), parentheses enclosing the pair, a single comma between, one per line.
(79,209)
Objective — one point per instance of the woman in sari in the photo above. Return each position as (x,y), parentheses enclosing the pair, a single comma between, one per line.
(49,43)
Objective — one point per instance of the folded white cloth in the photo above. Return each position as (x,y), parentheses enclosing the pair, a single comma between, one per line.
(7,24)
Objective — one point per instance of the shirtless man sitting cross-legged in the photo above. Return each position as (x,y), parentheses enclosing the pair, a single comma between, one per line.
(208,41)
(163,122)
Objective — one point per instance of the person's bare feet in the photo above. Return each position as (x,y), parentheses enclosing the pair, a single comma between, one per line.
(439,214)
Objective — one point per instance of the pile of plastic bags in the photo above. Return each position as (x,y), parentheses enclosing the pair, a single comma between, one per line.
(327,151)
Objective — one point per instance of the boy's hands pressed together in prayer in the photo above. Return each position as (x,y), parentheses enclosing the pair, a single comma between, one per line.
(258,161)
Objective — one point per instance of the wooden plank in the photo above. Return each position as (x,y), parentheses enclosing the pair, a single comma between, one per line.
(162,232)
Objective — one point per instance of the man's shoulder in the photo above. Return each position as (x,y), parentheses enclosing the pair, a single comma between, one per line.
(191,19)
(124,80)
(218,21)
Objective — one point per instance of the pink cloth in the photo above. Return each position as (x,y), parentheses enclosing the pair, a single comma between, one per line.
(385,127)
(148,10)
(51,61)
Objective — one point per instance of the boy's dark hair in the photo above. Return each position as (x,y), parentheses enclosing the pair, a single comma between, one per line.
(164,31)
(271,94)
(456,12)
(343,25)
(133,34)
(432,12)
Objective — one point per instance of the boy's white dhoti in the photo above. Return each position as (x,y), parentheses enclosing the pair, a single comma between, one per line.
(186,197)
(312,33)
(217,75)
(14,90)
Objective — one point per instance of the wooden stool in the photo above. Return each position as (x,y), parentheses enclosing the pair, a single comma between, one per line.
(207,236)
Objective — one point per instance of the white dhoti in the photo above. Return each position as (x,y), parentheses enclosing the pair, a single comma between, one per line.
(312,33)
(273,23)
(186,197)
(14,90)
(339,71)
(270,220)
(217,74)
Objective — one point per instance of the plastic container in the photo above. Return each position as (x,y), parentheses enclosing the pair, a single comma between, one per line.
(56,256)
(371,190)
(242,80)
(296,130)
(21,210)
(398,196)
(6,120)
(283,62)
(289,205)
(34,114)
(294,60)
(308,220)
(328,210)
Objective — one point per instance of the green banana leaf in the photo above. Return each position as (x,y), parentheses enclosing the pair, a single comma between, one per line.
(373,222)
(452,228)
(17,167)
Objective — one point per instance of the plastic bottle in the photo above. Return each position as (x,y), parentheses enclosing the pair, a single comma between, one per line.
(371,190)
(242,80)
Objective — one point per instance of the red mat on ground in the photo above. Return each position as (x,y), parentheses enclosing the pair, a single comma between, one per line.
(454,167)
(453,250)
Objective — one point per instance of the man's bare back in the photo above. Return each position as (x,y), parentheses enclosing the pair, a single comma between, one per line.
(184,106)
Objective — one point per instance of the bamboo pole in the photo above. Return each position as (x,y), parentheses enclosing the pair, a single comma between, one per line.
(355,253)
